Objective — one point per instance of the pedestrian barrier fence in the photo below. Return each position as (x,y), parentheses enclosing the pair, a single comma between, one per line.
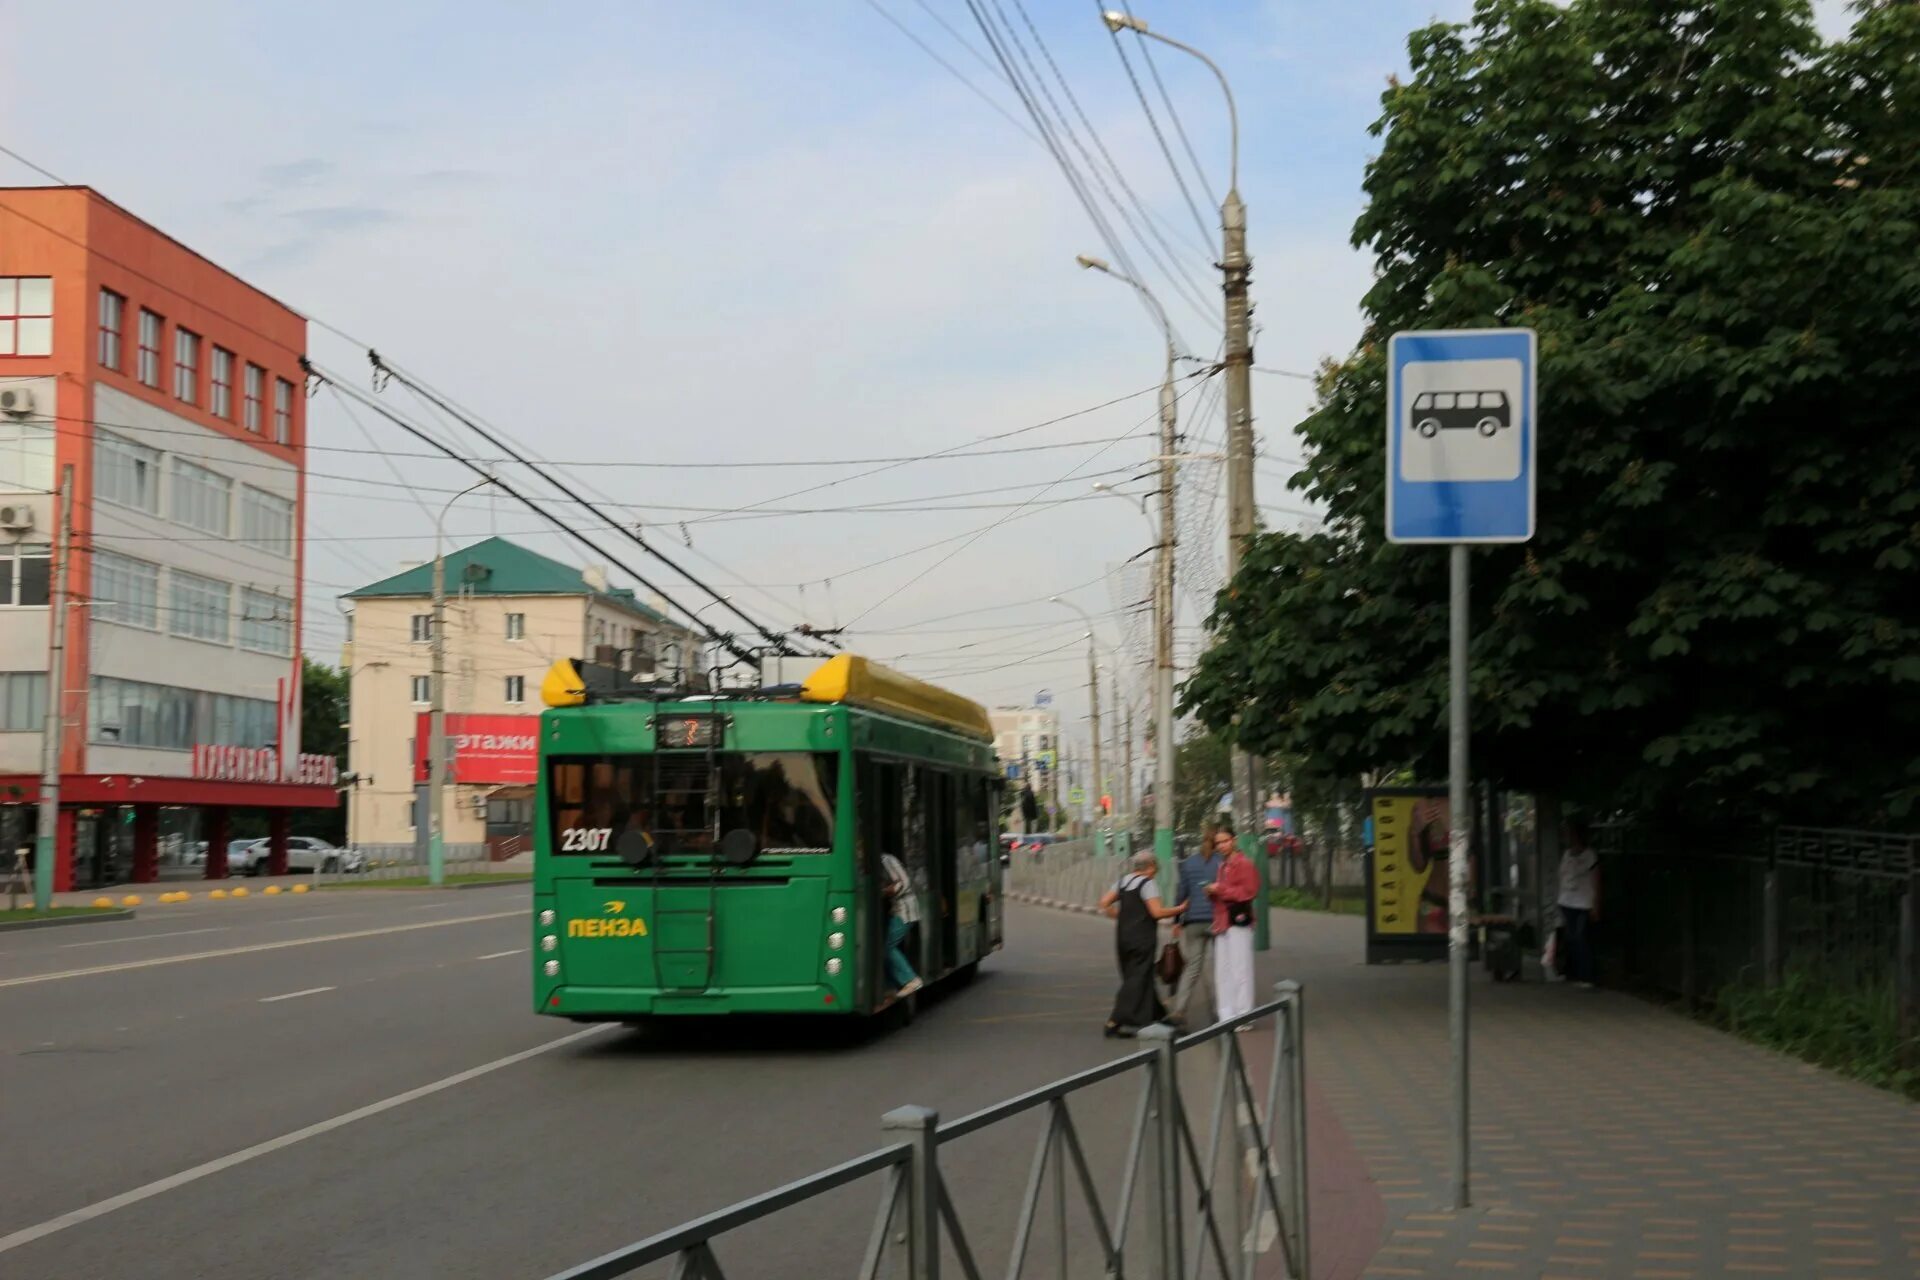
(1223,1223)
(405,861)
(1071,873)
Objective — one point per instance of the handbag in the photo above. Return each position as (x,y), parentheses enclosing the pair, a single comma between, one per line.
(1239,913)
(1171,964)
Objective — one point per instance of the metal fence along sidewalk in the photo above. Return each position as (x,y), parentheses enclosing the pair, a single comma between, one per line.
(1222,1195)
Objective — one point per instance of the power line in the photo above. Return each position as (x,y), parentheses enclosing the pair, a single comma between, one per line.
(719,637)
(1173,112)
(952,70)
(981,532)
(1179,178)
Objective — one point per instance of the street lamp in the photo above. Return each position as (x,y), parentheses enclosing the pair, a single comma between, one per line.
(437,715)
(1162,590)
(1093,700)
(1237,361)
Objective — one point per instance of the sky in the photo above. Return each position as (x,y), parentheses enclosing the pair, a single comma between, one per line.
(737,237)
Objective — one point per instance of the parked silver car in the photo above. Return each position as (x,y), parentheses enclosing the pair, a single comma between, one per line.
(304,854)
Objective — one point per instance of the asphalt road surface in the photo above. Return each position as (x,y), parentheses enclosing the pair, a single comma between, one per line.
(352,1084)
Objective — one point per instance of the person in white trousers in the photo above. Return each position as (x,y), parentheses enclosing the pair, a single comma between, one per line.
(1233,892)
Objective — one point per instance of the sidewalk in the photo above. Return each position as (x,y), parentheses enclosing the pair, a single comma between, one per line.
(1610,1137)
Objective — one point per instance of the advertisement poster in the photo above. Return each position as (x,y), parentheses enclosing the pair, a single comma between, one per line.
(1407,874)
(501,750)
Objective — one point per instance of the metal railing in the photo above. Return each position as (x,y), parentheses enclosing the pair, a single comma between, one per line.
(404,861)
(1223,1224)
(1072,872)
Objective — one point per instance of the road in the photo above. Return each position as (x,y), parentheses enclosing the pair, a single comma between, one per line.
(351,1083)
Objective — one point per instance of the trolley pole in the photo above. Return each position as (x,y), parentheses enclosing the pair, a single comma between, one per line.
(46,831)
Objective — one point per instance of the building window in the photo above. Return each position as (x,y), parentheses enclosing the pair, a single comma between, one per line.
(266,623)
(516,688)
(23,701)
(126,591)
(149,353)
(25,574)
(26,316)
(422,690)
(200,499)
(186,366)
(255,391)
(266,520)
(113,320)
(422,628)
(221,401)
(200,608)
(282,411)
(125,472)
(516,626)
(132,713)
(26,455)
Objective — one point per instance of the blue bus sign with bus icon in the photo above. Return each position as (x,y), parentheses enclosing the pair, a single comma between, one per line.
(1461,435)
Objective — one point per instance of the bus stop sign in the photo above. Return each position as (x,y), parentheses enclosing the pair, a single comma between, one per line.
(1461,435)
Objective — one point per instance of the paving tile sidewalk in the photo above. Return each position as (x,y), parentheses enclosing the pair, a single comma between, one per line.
(1610,1137)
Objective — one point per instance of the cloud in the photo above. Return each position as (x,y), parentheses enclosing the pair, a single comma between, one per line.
(297,172)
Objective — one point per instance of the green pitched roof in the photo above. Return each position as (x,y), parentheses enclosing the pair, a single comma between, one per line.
(497,567)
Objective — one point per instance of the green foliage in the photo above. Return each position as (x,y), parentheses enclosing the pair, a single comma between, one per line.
(323,731)
(1712,218)
(1345,902)
(1852,1031)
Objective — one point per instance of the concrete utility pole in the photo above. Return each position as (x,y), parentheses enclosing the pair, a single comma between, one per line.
(1236,268)
(47,830)
(1093,699)
(1162,590)
(437,715)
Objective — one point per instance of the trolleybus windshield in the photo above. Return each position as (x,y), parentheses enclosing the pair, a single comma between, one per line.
(785,798)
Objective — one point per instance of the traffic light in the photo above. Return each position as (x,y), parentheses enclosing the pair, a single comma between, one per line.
(1106,804)
(1029,807)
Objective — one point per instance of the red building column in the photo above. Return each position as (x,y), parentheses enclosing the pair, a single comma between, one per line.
(63,836)
(278,823)
(146,843)
(214,823)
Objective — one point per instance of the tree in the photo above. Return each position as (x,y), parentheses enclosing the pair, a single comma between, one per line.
(1712,218)
(323,731)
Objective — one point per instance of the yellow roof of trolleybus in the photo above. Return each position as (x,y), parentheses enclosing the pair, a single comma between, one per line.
(862,682)
(855,681)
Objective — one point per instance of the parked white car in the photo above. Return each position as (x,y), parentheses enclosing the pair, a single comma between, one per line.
(304,854)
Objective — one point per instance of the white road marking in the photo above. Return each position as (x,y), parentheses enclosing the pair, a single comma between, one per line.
(258,946)
(27,1235)
(142,937)
(495,955)
(295,995)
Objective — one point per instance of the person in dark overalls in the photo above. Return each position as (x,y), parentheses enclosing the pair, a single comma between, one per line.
(1135,903)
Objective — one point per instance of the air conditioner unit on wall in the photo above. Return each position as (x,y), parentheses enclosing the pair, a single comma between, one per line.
(16,518)
(16,402)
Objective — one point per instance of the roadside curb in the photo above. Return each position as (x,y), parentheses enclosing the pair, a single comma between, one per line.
(54,922)
(372,886)
(1055,903)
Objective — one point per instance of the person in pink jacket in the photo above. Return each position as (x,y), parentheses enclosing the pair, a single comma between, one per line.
(1233,892)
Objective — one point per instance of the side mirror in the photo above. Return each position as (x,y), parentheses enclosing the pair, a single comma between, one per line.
(737,847)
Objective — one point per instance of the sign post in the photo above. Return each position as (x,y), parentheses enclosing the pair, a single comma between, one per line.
(1462,434)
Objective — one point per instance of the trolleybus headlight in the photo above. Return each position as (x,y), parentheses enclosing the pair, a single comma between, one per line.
(833,965)
(835,941)
(839,915)
(549,943)
(546,917)
(553,968)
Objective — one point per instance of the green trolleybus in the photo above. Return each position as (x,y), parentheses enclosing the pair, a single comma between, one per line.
(711,854)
